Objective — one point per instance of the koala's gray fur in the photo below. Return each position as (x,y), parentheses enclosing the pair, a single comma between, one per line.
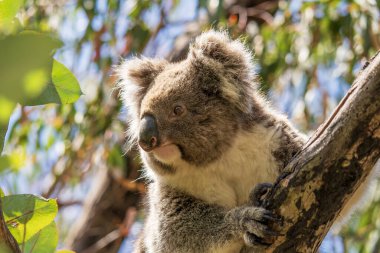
(227,141)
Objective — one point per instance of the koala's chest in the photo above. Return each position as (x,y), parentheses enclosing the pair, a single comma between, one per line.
(233,180)
(229,181)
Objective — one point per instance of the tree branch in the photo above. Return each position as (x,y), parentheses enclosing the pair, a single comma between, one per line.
(333,164)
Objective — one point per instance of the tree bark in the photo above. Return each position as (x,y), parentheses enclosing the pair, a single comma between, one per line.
(332,165)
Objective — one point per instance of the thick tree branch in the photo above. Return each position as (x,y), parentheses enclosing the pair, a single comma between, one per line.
(333,164)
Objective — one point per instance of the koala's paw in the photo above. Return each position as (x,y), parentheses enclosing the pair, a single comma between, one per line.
(254,224)
(258,193)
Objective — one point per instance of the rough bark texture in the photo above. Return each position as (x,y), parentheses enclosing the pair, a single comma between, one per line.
(334,162)
(7,242)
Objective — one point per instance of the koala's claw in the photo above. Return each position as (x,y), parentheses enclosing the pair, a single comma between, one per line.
(258,193)
(254,224)
(271,217)
(252,240)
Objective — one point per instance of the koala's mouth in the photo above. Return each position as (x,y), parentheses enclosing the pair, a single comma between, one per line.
(167,153)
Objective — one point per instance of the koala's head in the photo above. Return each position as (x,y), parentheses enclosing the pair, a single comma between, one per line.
(189,111)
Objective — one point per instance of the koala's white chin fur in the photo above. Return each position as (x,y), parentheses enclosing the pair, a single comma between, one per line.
(167,154)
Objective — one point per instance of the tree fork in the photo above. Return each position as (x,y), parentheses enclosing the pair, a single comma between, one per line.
(331,166)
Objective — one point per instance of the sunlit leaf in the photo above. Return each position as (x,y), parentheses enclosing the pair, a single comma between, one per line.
(25,65)
(44,241)
(63,89)
(27,214)
(34,81)
(65,251)
(8,10)
(65,83)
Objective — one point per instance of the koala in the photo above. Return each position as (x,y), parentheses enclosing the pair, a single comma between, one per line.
(206,137)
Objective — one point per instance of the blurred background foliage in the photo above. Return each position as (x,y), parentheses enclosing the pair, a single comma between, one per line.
(307,54)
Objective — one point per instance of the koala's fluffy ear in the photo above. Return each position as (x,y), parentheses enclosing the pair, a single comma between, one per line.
(136,75)
(232,61)
(232,55)
(139,71)
(134,78)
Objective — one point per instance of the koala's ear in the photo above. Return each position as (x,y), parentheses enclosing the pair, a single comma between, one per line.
(232,61)
(140,71)
(232,55)
(136,75)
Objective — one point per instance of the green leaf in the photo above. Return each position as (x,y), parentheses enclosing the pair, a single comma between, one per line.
(63,89)
(65,251)
(8,10)
(1,193)
(26,214)
(25,65)
(65,83)
(44,241)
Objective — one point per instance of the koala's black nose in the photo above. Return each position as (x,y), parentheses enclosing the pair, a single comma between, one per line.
(148,136)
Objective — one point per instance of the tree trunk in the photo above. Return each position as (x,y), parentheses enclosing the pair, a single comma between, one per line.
(332,165)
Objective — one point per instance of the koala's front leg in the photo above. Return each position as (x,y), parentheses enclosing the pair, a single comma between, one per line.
(191,225)
(253,224)
(253,221)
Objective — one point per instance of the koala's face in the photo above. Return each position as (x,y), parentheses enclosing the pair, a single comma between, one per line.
(182,119)
(189,111)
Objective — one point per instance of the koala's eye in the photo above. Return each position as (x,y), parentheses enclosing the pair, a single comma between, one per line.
(178,110)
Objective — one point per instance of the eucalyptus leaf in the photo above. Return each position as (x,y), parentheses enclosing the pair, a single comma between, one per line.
(62,89)
(25,65)
(8,10)
(65,83)
(44,241)
(26,214)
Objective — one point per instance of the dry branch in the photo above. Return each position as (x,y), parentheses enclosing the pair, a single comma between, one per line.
(333,164)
